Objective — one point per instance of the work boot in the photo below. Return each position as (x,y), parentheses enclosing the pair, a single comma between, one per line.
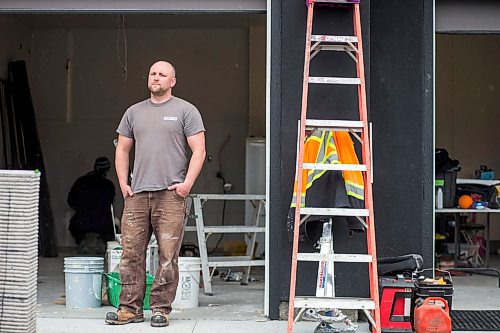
(159,319)
(122,317)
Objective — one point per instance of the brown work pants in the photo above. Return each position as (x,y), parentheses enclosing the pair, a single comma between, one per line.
(161,212)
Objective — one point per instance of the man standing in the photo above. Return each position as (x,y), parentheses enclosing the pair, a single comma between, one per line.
(91,196)
(161,127)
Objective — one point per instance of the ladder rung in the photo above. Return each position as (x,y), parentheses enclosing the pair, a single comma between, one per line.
(233,229)
(229,196)
(333,47)
(334,211)
(335,257)
(228,229)
(335,125)
(234,261)
(339,167)
(334,80)
(335,303)
(334,39)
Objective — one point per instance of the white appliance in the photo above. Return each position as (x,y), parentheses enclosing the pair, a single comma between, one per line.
(255,183)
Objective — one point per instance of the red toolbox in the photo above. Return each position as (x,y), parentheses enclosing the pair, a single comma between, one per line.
(396,298)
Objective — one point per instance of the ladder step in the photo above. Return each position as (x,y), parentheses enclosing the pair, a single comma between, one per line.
(334,125)
(335,303)
(334,39)
(338,167)
(233,229)
(335,257)
(334,80)
(234,261)
(334,211)
(334,47)
(229,196)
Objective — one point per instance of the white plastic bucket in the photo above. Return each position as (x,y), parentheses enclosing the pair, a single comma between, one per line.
(114,254)
(83,281)
(189,283)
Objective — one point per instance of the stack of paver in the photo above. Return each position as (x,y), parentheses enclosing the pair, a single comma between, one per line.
(19,197)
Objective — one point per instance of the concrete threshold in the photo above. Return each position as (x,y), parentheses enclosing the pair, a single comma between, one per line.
(233,308)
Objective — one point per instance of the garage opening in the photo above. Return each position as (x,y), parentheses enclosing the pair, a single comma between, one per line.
(85,70)
(466,117)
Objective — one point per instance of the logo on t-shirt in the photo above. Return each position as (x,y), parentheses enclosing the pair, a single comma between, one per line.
(170,118)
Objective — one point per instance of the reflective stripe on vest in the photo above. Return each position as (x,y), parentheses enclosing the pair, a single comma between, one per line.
(355,190)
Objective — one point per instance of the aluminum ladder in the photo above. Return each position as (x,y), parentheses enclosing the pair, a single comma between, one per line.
(203,232)
(353,46)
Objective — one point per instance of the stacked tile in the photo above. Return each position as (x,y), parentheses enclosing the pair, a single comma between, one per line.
(19,196)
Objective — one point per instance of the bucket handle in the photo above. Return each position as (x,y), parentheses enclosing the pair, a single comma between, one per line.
(435,269)
(439,299)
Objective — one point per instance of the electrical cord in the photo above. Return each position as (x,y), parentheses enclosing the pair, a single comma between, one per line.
(221,235)
(122,34)
(221,177)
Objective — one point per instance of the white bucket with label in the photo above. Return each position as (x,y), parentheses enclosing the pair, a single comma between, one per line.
(83,280)
(114,254)
(188,288)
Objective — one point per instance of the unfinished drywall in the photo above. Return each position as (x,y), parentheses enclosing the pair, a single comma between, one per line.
(213,73)
(15,38)
(257,98)
(468,103)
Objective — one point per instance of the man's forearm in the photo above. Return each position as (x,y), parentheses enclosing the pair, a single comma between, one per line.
(122,167)
(195,165)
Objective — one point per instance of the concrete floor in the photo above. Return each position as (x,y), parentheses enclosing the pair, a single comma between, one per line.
(233,308)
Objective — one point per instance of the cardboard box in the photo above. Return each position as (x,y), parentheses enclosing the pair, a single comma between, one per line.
(235,248)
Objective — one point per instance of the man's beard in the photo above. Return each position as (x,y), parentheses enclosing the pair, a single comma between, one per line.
(158,93)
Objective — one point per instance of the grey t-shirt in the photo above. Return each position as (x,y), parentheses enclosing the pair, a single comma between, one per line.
(161,148)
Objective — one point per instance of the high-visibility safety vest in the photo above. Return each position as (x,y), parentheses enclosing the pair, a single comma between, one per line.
(328,189)
(331,147)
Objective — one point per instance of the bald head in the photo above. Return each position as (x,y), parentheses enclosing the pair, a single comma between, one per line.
(161,80)
(163,65)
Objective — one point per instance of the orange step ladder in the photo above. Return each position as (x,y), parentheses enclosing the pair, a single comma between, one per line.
(353,46)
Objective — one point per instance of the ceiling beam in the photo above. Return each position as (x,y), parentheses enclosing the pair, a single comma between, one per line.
(133,6)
